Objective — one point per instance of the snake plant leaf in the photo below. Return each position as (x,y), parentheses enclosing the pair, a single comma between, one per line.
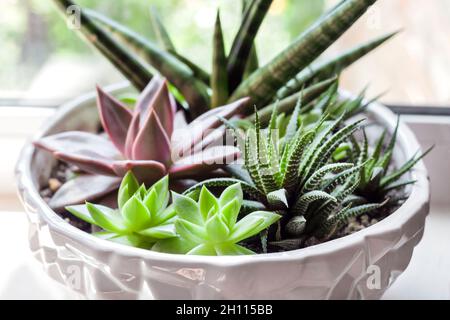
(219,76)
(126,62)
(319,71)
(288,104)
(244,40)
(265,82)
(160,30)
(166,43)
(115,118)
(193,90)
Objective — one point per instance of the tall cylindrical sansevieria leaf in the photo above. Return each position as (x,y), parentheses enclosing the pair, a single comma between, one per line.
(219,77)
(243,43)
(263,84)
(127,63)
(325,69)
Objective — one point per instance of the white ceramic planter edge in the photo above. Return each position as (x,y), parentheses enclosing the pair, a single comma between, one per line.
(337,269)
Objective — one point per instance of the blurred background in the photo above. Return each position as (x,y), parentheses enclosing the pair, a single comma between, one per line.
(44,63)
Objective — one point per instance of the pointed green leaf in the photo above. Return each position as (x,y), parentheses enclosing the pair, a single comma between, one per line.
(187,209)
(219,76)
(106,218)
(252,224)
(135,214)
(264,83)
(207,202)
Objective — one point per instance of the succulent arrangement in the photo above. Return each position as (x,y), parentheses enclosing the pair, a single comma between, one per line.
(298,165)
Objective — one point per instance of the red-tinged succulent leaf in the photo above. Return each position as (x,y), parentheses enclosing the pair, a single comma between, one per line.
(210,120)
(115,118)
(152,142)
(80,189)
(90,164)
(92,153)
(156,97)
(133,131)
(147,171)
(201,162)
(180,121)
(213,137)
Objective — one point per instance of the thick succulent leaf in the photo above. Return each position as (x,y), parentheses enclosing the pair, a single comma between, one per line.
(228,249)
(125,61)
(152,142)
(106,218)
(296,226)
(217,229)
(288,104)
(398,185)
(265,82)
(305,200)
(156,97)
(190,231)
(193,90)
(209,159)
(187,209)
(210,120)
(278,199)
(135,214)
(80,211)
(208,203)
(248,190)
(219,76)
(316,178)
(164,216)
(291,178)
(127,189)
(147,171)
(231,193)
(79,189)
(252,224)
(177,245)
(115,118)
(90,152)
(159,232)
(162,195)
(325,69)
(244,40)
(230,212)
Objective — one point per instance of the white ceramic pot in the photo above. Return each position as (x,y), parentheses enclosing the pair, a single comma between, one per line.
(359,266)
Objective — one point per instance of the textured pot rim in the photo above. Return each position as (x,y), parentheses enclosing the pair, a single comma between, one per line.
(419,197)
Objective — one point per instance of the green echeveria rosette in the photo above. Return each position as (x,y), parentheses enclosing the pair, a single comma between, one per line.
(142,219)
(211,227)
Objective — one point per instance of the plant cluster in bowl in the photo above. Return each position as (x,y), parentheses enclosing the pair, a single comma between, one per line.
(242,160)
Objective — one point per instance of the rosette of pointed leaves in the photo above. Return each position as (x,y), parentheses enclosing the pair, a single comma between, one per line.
(143,141)
(142,219)
(235,73)
(378,177)
(296,176)
(211,227)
